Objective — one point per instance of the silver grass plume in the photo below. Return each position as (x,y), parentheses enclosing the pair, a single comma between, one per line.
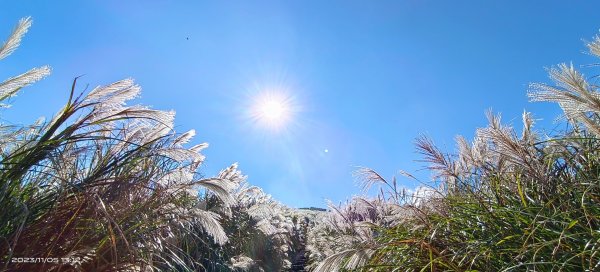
(367,178)
(594,46)
(209,221)
(220,187)
(11,86)
(109,104)
(513,150)
(113,95)
(528,135)
(576,97)
(15,38)
(232,173)
(184,138)
(199,147)
(177,176)
(466,159)
(349,259)
(441,164)
(180,154)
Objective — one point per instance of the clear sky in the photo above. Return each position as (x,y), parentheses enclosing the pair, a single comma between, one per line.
(364,78)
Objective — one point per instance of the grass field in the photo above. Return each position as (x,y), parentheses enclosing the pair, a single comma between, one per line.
(107,186)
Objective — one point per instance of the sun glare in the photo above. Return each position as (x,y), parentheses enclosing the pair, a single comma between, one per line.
(272,110)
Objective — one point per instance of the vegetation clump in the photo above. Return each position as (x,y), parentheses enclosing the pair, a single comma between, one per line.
(507,201)
(104,186)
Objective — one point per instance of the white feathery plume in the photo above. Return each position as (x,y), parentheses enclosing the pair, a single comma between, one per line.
(109,104)
(135,131)
(251,191)
(165,118)
(184,138)
(199,147)
(334,262)
(465,154)
(359,258)
(528,136)
(368,177)
(220,187)
(113,94)
(441,164)
(180,154)
(177,176)
(261,210)
(594,46)
(12,85)
(480,150)
(15,38)
(232,173)
(573,93)
(209,221)
(266,227)
(196,149)
(154,133)
(229,172)
(102,113)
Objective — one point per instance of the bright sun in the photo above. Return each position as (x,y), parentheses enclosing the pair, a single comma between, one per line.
(272,110)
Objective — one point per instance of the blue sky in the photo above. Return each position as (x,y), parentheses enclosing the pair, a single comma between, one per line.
(367,77)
